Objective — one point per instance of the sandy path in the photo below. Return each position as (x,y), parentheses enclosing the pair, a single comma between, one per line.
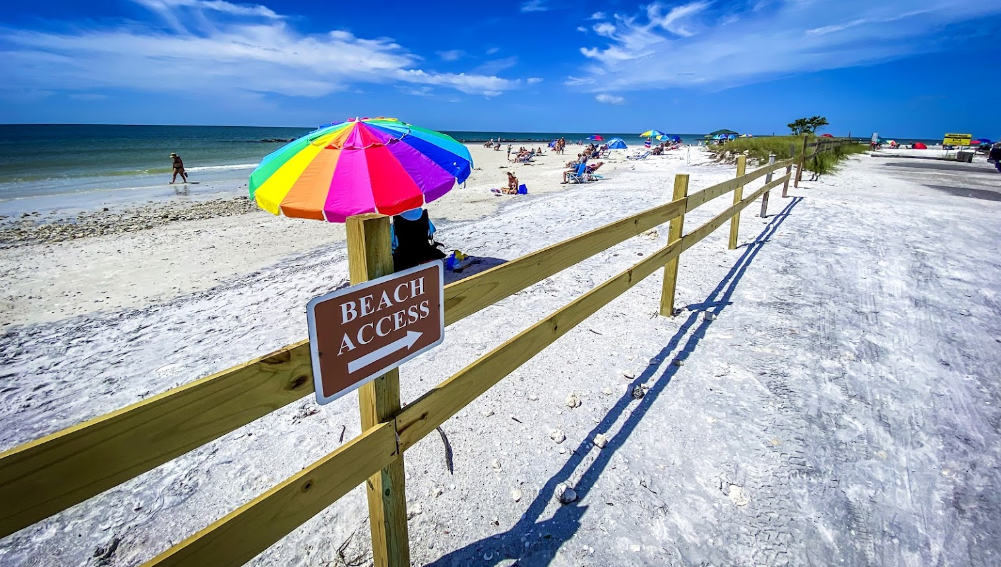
(842,408)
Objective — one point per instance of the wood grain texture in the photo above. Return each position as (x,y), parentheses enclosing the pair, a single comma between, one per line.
(48,475)
(669,287)
(764,198)
(719,220)
(802,161)
(444,400)
(700,198)
(370,256)
(738,194)
(465,297)
(250,529)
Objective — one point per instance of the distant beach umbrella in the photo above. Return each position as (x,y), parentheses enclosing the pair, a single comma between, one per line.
(366,165)
(651,134)
(616,144)
(920,146)
(595,138)
(826,136)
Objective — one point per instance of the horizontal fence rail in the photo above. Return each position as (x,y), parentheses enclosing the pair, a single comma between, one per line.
(48,475)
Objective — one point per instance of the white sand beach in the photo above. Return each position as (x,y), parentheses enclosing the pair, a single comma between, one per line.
(841,406)
(132,268)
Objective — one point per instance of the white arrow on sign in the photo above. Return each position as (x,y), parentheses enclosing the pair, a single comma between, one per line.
(400,344)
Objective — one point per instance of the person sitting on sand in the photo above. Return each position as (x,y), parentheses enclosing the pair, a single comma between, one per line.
(178,168)
(512,184)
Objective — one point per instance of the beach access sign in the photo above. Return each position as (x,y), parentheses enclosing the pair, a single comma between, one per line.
(957,139)
(359,333)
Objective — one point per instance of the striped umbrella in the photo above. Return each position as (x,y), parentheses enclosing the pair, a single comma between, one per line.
(364,165)
(651,134)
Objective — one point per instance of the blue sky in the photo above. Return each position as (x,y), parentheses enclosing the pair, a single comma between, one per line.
(915,68)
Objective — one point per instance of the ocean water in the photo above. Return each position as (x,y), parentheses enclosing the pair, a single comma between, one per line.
(53,166)
(37,160)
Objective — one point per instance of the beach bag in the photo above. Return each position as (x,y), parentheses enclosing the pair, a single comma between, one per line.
(414,244)
(522,190)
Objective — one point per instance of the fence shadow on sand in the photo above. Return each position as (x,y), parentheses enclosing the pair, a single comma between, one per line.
(507,546)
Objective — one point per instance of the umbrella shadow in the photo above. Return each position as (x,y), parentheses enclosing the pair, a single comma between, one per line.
(531,542)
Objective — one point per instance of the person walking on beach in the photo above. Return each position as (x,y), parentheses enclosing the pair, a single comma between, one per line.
(178,168)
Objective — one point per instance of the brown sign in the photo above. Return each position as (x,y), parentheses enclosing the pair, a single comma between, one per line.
(359,333)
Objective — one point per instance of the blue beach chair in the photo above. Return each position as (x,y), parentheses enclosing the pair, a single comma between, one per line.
(580,175)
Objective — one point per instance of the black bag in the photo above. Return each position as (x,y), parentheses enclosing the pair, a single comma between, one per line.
(414,244)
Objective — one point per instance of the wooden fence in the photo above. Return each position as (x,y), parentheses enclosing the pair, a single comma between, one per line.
(43,477)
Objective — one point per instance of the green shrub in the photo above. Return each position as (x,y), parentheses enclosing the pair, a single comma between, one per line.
(785,147)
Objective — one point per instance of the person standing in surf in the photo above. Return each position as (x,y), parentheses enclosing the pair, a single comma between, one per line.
(178,168)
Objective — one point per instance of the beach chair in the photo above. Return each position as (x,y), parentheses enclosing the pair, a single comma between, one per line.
(581,175)
(643,155)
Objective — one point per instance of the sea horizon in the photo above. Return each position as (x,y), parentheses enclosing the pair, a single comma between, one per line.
(53,160)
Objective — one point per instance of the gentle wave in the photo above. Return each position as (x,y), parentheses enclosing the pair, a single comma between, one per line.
(122,173)
(220,167)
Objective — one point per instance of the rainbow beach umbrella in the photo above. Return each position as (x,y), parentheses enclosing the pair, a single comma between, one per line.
(364,165)
(651,134)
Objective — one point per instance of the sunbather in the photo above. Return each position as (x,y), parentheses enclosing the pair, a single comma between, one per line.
(512,184)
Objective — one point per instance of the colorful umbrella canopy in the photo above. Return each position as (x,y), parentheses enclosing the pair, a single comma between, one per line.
(616,144)
(367,165)
(826,135)
(651,134)
(596,138)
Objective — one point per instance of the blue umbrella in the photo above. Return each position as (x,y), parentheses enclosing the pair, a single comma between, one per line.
(616,144)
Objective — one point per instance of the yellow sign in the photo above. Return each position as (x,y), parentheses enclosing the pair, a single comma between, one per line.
(957,139)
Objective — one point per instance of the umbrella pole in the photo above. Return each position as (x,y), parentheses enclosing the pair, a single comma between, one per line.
(370,256)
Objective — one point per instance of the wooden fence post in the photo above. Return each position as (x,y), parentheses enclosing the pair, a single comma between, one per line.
(802,162)
(785,186)
(738,194)
(764,198)
(370,256)
(674,233)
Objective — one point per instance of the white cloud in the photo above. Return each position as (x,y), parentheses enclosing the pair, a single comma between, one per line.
(451,54)
(597,16)
(582,29)
(533,80)
(673,20)
(236,49)
(697,44)
(492,50)
(604,28)
(495,66)
(535,6)
(610,99)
